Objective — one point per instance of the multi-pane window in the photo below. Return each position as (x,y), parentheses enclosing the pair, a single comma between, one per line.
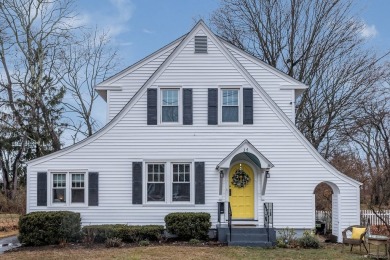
(156,182)
(78,190)
(170,105)
(59,188)
(230,105)
(181,182)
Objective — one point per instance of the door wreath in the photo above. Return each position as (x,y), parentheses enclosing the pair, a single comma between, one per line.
(240,178)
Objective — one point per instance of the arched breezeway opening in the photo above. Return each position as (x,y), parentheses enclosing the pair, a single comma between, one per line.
(326,209)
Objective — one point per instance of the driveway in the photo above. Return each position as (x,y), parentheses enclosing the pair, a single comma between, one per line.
(8,243)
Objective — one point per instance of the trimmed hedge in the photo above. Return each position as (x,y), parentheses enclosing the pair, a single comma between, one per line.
(188,225)
(49,228)
(128,234)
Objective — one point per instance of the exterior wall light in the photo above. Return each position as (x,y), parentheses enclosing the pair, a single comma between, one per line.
(221,174)
(267,174)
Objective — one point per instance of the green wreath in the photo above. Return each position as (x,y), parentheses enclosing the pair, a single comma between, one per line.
(240,178)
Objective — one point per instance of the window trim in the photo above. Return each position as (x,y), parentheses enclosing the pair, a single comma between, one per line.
(191,183)
(240,104)
(147,181)
(168,181)
(179,105)
(68,189)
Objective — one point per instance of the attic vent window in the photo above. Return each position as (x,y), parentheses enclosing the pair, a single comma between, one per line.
(200,44)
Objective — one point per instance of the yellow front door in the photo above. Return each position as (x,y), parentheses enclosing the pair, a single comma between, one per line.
(241,198)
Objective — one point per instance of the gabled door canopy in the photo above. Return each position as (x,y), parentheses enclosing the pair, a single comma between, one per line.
(245,151)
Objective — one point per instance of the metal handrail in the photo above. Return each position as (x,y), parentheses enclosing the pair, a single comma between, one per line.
(230,213)
(268,217)
(266,220)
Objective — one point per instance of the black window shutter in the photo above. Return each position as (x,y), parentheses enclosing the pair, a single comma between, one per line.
(137,182)
(152,106)
(248,106)
(42,189)
(199,183)
(187,106)
(93,189)
(213,106)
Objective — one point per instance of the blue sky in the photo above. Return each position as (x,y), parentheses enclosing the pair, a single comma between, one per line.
(140,27)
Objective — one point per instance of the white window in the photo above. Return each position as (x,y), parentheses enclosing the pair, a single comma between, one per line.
(168,182)
(59,188)
(230,105)
(78,189)
(68,188)
(170,105)
(156,182)
(181,182)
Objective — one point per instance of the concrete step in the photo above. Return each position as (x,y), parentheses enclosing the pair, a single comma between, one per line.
(263,244)
(246,237)
(249,230)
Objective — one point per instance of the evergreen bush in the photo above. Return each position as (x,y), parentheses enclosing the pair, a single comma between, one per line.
(49,228)
(188,225)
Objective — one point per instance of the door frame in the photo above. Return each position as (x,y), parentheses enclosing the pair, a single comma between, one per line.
(256,188)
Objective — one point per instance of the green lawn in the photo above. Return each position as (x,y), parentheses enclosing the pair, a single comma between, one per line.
(182,253)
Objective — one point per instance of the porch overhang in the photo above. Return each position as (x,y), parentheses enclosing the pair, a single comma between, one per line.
(246,151)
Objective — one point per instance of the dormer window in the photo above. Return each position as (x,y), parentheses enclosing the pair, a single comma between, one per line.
(169,105)
(200,44)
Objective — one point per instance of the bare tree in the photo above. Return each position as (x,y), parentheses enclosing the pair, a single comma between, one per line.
(316,42)
(371,135)
(86,63)
(32,34)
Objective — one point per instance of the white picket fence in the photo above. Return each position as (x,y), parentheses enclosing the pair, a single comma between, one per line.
(365,215)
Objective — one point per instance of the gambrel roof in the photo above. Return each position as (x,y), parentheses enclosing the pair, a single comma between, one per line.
(177,46)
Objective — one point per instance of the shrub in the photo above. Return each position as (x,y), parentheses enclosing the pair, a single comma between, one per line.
(144,243)
(308,240)
(194,241)
(113,242)
(188,225)
(286,238)
(49,228)
(128,234)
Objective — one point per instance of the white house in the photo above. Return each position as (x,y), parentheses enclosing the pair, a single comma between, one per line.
(192,127)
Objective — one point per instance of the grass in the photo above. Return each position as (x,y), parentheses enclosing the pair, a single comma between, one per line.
(182,252)
(8,225)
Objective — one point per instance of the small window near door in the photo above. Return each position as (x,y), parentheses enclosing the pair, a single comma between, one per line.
(169,105)
(181,182)
(230,105)
(156,182)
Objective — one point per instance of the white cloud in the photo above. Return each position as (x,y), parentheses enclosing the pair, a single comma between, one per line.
(369,31)
(147,31)
(125,43)
(124,8)
(113,19)
(79,20)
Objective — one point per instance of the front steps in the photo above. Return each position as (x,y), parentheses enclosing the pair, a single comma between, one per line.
(252,236)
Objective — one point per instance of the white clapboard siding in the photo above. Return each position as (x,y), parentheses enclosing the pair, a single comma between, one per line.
(270,83)
(296,172)
(130,83)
